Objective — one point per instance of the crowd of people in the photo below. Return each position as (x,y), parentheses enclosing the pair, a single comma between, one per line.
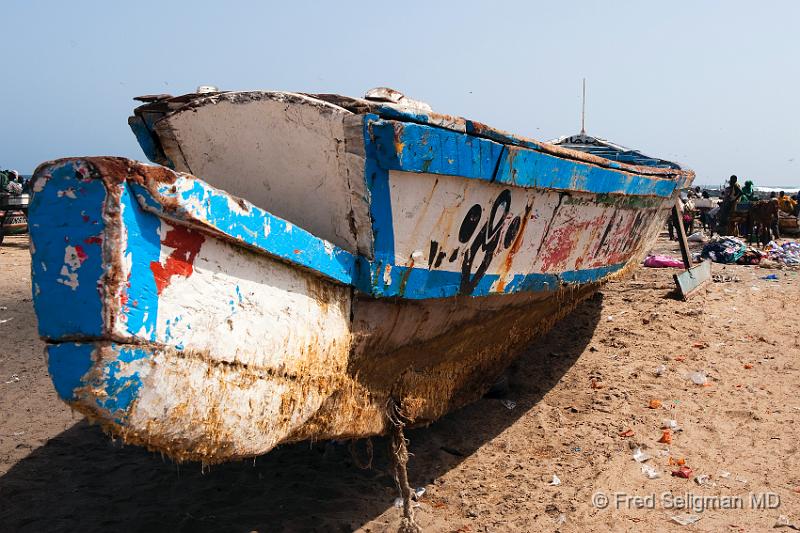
(718,214)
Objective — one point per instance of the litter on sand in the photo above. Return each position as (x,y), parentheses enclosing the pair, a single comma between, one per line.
(662,261)
(650,472)
(555,481)
(698,378)
(640,456)
(783,521)
(509,404)
(683,472)
(685,519)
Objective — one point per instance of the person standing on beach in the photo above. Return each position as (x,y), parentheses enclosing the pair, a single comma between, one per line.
(730,198)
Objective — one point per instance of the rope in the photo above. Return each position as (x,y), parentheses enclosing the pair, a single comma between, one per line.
(399,455)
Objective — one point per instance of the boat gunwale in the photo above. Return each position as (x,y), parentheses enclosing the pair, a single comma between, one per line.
(360,106)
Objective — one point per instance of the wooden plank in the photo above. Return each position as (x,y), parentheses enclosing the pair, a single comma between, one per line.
(691,280)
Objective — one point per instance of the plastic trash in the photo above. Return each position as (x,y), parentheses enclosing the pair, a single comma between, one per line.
(627,433)
(697,236)
(660,370)
(783,521)
(666,437)
(684,472)
(654,404)
(14,378)
(650,472)
(702,479)
(685,519)
(669,423)
(555,481)
(748,366)
(509,404)
(724,474)
(417,493)
(698,378)
(680,461)
(640,456)
(610,318)
(771,277)
(662,261)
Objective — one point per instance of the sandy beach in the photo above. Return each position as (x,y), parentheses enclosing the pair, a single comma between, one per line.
(585,396)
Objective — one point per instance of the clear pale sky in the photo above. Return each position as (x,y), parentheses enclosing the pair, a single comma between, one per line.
(711,84)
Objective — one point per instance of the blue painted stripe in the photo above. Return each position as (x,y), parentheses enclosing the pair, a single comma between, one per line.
(478,129)
(142,247)
(67,364)
(420,283)
(112,388)
(412,147)
(380,201)
(199,203)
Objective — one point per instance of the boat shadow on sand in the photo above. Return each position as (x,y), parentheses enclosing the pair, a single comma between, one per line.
(81,480)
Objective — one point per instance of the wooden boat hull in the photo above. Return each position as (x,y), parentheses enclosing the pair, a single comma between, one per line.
(205,327)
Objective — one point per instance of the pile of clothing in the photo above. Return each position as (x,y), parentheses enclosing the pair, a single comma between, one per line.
(787,253)
(724,250)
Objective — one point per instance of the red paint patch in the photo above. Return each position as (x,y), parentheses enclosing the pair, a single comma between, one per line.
(95,239)
(85,218)
(80,253)
(186,244)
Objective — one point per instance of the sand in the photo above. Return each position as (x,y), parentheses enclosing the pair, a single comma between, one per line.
(485,467)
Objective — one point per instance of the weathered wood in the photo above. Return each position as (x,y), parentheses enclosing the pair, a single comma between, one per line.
(208,327)
(692,279)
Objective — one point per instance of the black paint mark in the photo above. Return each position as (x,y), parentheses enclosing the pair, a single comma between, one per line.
(486,240)
(432,253)
(470,222)
(511,232)
(453,256)
(440,258)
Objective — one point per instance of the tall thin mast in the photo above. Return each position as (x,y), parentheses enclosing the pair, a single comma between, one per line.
(583,110)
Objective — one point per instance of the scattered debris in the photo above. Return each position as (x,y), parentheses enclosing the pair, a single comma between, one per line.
(685,519)
(640,456)
(627,433)
(416,495)
(662,261)
(555,481)
(680,461)
(14,378)
(724,474)
(702,479)
(748,366)
(669,423)
(698,378)
(3,321)
(683,472)
(654,404)
(509,404)
(660,370)
(666,437)
(783,521)
(650,472)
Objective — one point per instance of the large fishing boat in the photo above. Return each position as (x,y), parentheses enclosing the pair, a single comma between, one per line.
(332,257)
